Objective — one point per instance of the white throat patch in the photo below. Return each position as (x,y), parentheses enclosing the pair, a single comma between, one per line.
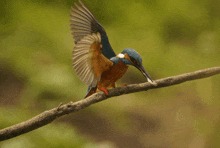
(120,55)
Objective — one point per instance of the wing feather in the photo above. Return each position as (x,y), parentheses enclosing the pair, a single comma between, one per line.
(82,18)
(82,59)
(87,9)
(86,32)
(77,13)
(83,23)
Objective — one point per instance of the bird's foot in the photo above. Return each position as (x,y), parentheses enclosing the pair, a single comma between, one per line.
(124,85)
(105,90)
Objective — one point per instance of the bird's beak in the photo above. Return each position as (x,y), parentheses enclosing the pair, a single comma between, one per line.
(144,72)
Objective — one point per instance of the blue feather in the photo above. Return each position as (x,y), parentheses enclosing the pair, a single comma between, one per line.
(132,54)
(90,88)
(107,50)
(115,61)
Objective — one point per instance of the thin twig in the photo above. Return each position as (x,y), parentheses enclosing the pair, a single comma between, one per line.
(48,116)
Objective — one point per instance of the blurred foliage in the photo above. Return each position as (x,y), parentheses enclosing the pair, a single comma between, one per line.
(172,36)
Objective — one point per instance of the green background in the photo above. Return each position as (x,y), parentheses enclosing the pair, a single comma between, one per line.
(172,36)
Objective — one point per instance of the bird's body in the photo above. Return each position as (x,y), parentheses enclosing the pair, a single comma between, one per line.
(94,60)
(109,72)
(110,77)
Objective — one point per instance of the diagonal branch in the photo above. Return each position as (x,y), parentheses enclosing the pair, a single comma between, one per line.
(50,115)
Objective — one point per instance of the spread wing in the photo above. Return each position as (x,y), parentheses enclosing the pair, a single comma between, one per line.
(83,23)
(88,61)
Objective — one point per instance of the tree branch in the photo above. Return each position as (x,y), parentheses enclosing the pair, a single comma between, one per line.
(50,115)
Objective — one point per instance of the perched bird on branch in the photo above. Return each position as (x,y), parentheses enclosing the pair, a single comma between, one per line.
(94,60)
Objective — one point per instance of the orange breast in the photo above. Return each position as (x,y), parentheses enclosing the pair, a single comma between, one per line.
(109,77)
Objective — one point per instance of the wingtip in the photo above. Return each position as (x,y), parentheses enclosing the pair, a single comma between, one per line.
(77,5)
(81,2)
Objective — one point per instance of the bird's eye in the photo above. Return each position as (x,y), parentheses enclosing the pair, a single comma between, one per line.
(133,60)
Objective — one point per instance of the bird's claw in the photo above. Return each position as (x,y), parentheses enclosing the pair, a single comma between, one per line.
(105,90)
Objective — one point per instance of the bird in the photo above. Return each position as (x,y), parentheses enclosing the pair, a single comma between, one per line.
(94,60)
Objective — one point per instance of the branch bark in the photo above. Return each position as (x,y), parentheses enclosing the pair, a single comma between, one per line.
(50,115)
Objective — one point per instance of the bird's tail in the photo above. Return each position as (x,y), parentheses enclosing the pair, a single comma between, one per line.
(91,90)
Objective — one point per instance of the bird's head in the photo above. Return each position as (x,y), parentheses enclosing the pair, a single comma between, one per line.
(131,57)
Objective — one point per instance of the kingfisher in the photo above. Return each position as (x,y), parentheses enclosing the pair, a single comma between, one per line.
(94,60)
